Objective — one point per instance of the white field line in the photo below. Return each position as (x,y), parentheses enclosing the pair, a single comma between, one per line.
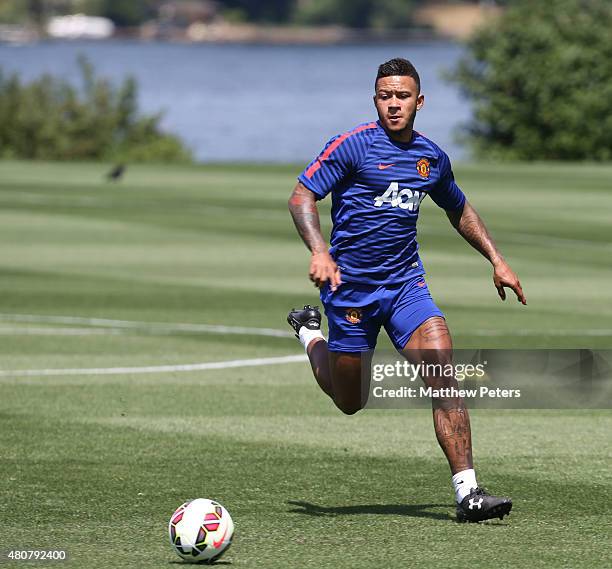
(63,331)
(155,369)
(147,326)
(53,331)
(559,332)
(101,326)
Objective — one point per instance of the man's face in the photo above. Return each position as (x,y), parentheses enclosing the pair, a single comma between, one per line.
(397,100)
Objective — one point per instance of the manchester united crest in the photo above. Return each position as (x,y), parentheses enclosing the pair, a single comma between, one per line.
(422,167)
(353,315)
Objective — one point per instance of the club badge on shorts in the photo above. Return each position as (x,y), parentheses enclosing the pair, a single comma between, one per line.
(422,167)
(353,315)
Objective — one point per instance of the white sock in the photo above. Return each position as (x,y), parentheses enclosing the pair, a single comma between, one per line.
(463,482)
(307,335)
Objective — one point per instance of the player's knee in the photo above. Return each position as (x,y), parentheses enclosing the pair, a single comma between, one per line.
(347,382)
(436,369)
(438,357)
(348,408)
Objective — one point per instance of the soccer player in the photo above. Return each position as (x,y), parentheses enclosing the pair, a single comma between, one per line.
(378,173)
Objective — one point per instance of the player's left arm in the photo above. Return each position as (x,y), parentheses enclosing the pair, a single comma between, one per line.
(471,227)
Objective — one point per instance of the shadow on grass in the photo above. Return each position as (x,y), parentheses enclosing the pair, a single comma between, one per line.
(201,563)
(412,510)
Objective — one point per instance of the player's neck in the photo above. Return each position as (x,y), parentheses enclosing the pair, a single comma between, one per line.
(404,136)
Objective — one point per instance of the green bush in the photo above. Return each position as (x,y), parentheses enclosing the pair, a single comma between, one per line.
(50,119)
(540,79)
(383,14)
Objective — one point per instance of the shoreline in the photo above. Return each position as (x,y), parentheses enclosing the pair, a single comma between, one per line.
(442,22)
(245,35)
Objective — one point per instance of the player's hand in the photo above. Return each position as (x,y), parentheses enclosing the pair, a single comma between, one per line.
(504,276)
(324,269)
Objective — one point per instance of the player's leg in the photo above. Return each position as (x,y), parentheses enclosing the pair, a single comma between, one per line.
(419,331)
(318,355)
(306,324)
(341,365)
(350,385)
(431,343)
(338,373)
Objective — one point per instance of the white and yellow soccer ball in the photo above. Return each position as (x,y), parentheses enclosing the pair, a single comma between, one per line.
(201,530)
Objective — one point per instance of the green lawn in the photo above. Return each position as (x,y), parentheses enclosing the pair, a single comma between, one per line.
(138,274)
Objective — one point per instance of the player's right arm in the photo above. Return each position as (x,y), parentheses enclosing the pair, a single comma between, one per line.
(326,173)
(303,208)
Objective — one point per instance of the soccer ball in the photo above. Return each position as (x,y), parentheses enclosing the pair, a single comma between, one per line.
(201,530)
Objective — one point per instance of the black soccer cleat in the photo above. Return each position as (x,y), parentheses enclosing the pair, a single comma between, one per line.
(309,316)
(479,506)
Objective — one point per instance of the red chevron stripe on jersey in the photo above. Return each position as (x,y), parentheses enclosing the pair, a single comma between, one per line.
(326,154)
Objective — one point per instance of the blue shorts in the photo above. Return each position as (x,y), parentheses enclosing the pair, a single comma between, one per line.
(355,313)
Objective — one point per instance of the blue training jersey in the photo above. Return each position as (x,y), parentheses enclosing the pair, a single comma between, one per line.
(377,185)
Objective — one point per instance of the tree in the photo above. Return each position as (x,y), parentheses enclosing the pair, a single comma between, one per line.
(384,14)
(13,12)
(261,11)
(50,119)
(132,13)
(540,79)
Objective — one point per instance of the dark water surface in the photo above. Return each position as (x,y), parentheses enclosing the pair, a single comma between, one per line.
(255,102)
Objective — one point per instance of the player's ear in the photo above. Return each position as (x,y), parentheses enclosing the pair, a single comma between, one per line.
(420,101)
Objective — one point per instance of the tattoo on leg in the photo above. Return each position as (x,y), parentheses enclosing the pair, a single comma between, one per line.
(434,331)
(454,435)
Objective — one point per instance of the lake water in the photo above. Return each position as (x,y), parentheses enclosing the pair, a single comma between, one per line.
(258,103)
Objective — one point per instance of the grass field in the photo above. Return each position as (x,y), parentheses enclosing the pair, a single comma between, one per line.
(142,274)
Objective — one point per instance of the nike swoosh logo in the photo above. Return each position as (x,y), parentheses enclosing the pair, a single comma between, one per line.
(216,544)
(385,166)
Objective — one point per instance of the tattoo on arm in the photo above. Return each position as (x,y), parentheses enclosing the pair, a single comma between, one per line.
(470,226)
(303,208)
